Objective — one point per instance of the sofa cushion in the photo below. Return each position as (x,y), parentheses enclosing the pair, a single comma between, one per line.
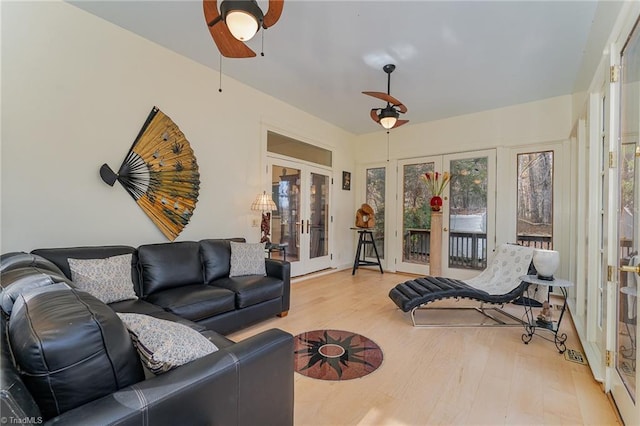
(216,257)
(252,289)
(109,279)
(195,302)
(15,399)
(15,282)
(70,348)
(164,345)
(169,265)
(17,260)
(247,259)
(60,256)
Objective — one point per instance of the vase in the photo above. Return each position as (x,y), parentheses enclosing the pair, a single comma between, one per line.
(436,203)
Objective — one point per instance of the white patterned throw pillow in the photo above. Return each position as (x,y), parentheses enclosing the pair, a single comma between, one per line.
(163,344)
(109,280)
(247,259)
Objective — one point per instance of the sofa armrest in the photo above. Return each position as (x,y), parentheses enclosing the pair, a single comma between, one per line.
(282,270)
(248,383)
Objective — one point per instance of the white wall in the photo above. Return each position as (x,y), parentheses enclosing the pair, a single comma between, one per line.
(75,92)
(530,123)
(539,125)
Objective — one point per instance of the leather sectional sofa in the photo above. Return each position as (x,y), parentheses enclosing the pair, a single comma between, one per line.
(67,358)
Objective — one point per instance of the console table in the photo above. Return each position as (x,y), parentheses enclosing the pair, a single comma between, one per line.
(532,324)
(365,237)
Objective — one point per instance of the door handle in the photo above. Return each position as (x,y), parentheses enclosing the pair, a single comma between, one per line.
(307,226)
(445,229)
(627,268)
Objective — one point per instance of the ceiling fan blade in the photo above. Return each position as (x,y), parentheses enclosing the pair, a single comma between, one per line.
(400,123)
(374,115)
(228,45)
(401,108)
(385,97)
(273,14)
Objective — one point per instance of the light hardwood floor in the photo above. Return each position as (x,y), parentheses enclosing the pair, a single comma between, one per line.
(433,375)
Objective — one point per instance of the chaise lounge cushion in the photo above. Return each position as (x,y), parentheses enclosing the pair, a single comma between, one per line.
(252,289)
(194,302)
(166,266)
(70,348)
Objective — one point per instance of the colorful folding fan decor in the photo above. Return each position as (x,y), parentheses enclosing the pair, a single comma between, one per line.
(161,173)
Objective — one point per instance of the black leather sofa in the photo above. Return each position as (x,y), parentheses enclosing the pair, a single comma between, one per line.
(191,280)
(66,358)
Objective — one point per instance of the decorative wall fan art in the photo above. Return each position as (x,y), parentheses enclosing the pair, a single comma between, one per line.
(160,172)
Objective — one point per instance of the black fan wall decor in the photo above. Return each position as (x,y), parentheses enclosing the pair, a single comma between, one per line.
(161,173)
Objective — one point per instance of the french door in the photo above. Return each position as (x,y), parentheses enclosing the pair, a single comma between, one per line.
(623,376)
(468,213)
(302,221)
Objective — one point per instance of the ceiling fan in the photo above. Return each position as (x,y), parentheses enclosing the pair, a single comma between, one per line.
(387,117)
(237,22)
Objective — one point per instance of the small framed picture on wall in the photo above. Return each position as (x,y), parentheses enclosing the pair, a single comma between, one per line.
(346,181)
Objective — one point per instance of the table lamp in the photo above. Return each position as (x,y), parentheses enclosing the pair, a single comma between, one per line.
(546,263)
(264,204)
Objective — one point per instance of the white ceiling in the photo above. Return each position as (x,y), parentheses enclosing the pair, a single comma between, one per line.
(452,57)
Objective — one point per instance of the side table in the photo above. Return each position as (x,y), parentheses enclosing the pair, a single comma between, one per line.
(532,324)
(273,247)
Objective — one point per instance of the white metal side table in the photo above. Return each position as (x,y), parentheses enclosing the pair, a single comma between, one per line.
(533,324)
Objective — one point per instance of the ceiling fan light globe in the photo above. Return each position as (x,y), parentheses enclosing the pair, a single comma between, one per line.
(388,117)
(388,122)
(243,25)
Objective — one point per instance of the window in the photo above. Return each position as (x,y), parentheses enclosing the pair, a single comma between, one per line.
(535,199)
(375,182)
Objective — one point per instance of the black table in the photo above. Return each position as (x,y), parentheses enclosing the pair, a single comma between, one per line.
(365,237)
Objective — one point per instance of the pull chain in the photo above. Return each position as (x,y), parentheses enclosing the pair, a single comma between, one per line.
(262,47)
(387,146)
(220,82)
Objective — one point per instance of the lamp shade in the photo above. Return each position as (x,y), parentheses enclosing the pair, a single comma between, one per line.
(546,263)
(264,203)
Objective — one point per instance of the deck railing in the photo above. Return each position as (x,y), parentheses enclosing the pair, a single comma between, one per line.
(535,241)
(467,250)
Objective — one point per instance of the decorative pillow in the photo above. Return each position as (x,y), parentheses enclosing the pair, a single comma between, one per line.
(163,344)
(247,259)
(109,279)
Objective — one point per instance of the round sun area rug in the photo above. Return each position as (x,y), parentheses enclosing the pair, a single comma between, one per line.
(335,355)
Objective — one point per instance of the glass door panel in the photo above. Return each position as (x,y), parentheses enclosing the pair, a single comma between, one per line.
(319,222)
(415,213)
(624,381)
(469,216)
(285,228)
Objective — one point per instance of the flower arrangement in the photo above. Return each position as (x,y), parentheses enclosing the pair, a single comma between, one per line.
(437,182)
